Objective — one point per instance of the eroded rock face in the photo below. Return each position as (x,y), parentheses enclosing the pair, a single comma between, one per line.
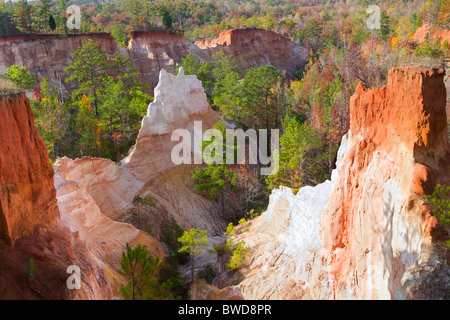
(423,31)
(355,236)
(150,52)
(149,170)
(27,194)
(200,290)
(48,55)
(95,195)
(30,225)
(374,227)
(253,48)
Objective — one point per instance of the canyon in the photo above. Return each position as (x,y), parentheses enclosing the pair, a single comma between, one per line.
(76,213)
(367,233)
(150,52)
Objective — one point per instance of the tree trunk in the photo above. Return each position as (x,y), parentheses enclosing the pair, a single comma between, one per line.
(95,101)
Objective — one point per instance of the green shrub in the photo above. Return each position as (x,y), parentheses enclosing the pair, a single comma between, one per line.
(239,255)
(427,49)
(30,269)
(440,202)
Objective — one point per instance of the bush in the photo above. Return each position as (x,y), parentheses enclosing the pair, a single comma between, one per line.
(20,77)
(427,49)
(7,88)
(170,237)
(440,202)
(238,258)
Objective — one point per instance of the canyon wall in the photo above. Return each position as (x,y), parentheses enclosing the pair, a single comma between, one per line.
(149,170)
(27,196)
(422,32)
(47,55)
(368,232)
(30,224)
(252,48)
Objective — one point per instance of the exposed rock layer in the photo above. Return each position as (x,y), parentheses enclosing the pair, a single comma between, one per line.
(149,169)
(30,226)
(150,52)
(27,196)
(355,236)
(253,48)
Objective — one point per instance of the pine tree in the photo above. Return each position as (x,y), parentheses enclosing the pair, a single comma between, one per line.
(61,18)
(139,269)
(88,68)
(259,84)
(52,23)
(193,242)
(44,11)
(7,25)
(216,178)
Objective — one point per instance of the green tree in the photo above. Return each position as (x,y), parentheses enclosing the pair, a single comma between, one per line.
(167,20)
(118,33)
(146,202)
(404,29)
(139,269)
(135,8)
(43,11)
(52,23)
(193,242)
(238,257)
(259,84)
(22,16)
(87,128)
(88,68)
(385,28)
(296,146)
(51,117)
(216,178)
(7,25)
(193,66)
(61,18)
(20,77)
(430,49)
(112,101)
(228,98)
(222,65)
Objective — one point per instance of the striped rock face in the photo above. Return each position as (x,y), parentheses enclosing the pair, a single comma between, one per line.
(359,235)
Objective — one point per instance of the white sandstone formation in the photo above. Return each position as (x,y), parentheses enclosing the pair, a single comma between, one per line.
(368,232)
(285,245)
(95,195)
